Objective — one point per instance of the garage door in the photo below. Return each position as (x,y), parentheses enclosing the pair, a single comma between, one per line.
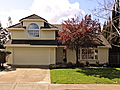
(31,56)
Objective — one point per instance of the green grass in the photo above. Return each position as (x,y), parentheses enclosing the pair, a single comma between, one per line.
(87,75)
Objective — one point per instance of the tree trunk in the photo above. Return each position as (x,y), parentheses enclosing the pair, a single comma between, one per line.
(77,56)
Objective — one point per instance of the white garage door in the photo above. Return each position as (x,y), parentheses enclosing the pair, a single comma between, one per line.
(31,56)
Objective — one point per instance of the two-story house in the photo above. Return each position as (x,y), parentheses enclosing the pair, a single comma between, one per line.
(33,42)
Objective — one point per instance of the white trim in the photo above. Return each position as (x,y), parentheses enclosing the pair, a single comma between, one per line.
(49,29)
(31,46)
(12,56)
(60,46)
(87,54)
(37,20)
(103,47)
(33,38)
(89,59)
(55,55)
(16,29)
(49,55)
(33,30)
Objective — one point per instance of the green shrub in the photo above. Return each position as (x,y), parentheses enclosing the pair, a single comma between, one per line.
(97,64)
(70,64)
(105,64)
(51,66)
(87,63)
(79,64)
(82,65)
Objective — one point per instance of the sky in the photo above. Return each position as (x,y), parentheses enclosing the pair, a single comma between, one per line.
(54,11)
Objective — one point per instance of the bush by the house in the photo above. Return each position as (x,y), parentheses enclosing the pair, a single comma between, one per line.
(51,66)
(87,64)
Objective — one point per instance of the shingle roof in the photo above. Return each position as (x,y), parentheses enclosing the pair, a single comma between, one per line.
(59,26)
(18,25)
(35,42)
(33,16)
(103,40)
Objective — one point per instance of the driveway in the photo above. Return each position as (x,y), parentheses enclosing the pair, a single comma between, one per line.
(28,78)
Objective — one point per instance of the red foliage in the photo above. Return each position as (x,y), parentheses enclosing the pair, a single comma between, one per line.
(76,33)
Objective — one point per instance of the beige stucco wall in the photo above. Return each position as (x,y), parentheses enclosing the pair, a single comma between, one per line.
(102,56)
(47,35)
(59,54)
(52,55)
(39,23)
(21,33)
(49,55)
(71,57)
(32,56)
(18,34)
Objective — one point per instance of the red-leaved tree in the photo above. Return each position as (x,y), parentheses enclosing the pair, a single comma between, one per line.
(76,33)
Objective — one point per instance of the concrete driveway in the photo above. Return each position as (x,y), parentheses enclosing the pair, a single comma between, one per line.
(28,78)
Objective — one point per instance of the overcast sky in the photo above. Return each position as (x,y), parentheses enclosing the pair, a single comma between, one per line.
(54,11)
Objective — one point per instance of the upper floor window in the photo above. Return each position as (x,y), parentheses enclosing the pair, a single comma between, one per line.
(33,26)
(33,30)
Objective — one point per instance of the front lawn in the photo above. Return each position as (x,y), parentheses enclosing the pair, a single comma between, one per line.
(86,75)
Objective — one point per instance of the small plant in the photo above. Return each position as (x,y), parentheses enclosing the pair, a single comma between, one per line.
(97,63)
(82,65)
(79,64)
(87,64)
(70,64)
(105,64)
(51,66)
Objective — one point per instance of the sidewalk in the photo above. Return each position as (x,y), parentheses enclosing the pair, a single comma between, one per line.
(84,87)
(30,78)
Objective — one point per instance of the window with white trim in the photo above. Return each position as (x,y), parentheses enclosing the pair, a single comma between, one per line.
(33,30)
(88,53)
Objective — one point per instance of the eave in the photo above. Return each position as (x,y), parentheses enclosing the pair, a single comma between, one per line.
(104,47)
(34,20)
(50,29)
(28,46)
(16,29)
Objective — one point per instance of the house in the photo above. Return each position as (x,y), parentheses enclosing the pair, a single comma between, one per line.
(33,42)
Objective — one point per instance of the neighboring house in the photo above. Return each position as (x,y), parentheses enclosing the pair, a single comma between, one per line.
(114,55)
(33,42)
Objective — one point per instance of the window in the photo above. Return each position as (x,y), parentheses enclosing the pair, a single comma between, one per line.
(88,53)
(33,33)
(33,26)
(33,30)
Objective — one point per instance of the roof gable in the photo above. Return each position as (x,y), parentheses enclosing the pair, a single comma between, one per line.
(103,41)
(33,16)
